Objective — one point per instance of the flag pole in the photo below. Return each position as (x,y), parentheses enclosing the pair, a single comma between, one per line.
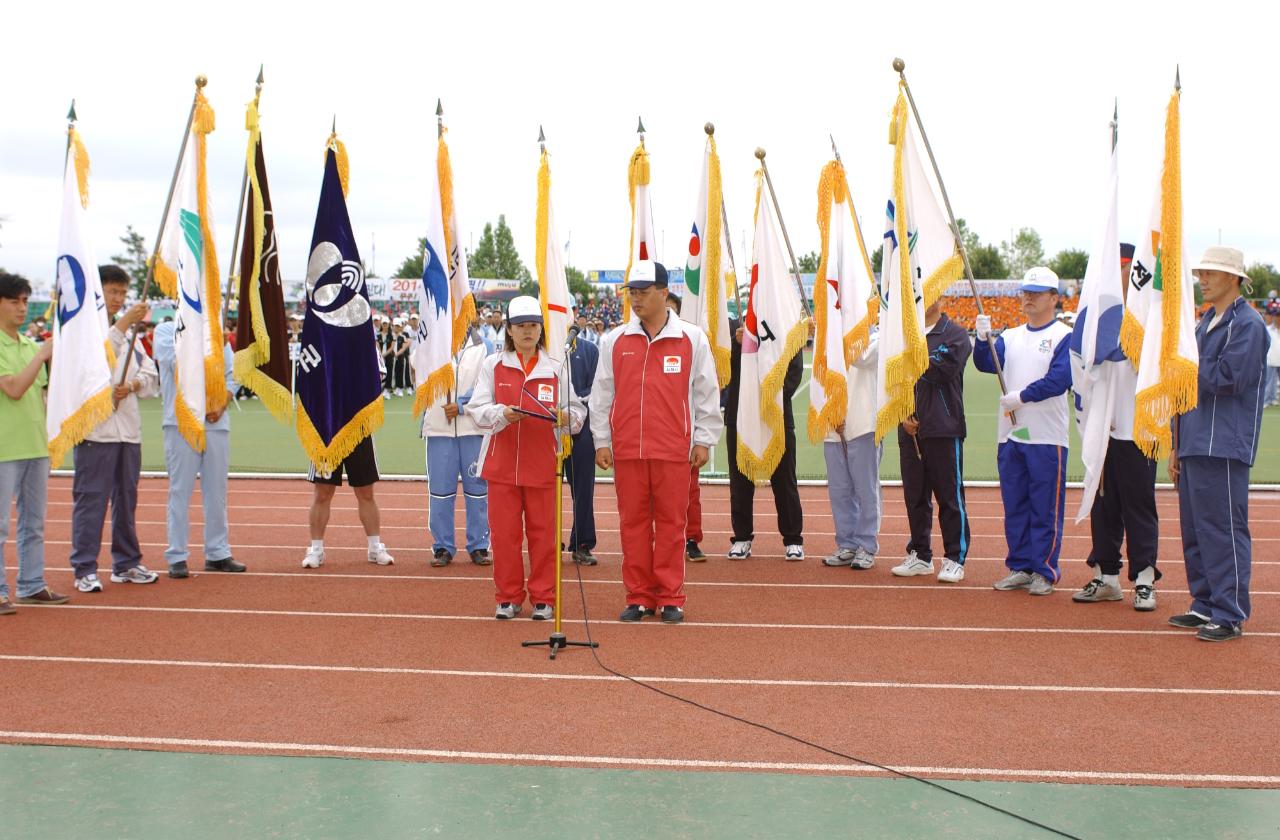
(448,394)
(710,129)
(795,271)
(201,81)
(232,268)
(900,66)
(857,228)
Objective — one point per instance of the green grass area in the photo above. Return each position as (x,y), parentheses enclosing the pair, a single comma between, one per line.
(260,444)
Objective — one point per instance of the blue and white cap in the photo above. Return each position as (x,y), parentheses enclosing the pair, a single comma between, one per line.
(524,310)
(1039,279)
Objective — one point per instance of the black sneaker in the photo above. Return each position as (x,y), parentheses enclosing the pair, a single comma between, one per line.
(1188,620)
(440,557)
(481,557)
(226,564)
(1219,632)
(672,614)
(584,557)
(634,612)
(179,570)
(692,553)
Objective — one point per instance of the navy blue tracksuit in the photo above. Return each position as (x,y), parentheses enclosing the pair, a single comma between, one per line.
(1217,443)
(580,468)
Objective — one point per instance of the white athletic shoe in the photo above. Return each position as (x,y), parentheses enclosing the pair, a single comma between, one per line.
(740,550)
(543,612)
(398,392)
(313,559)
(795,552)
(842,557)
(138,574)
(1040,585)
(507,610)
(1014,580)
(380,556)
(88,583)
(952,572)
(912,565)
(1144,598)
(862,559)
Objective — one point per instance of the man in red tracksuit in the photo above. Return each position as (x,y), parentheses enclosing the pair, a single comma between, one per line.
(655,410)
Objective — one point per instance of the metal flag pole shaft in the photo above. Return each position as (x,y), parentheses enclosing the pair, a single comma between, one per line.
(795,273)
(201,81)
(233,275)
(901,66)
(857,226)
(710,129)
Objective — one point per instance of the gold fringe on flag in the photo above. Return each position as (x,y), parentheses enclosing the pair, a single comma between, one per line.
(81,157)
(341,159)
(714,281)
(541,224)
(464,311)
(77,427)
(166,277)
(274,396)
(761,469)
(215,386)
(439,383)
(189,426)
(327,457)
(637,176)
(834,385)
(903,370)
(1176,390)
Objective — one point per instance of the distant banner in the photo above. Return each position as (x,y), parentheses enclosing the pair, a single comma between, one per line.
(986,288)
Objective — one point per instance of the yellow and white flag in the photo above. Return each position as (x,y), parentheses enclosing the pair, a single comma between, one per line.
(845,302)
(642,241)
(462,301)
(553,284)
(1158,331)
(773,332)
(921,258)
(80,380)
(708,272)
(187,270)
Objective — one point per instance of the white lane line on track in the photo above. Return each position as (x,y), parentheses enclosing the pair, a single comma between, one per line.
(736,625)
(728,584)
(625,761)
(519,675)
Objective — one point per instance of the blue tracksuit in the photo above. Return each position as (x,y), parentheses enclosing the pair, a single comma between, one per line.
(1217,443)
(580,469)
(1032,457)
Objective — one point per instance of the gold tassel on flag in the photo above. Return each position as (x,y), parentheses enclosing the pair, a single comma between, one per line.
(464,311)
(716,282)
(215,384)
(637,176)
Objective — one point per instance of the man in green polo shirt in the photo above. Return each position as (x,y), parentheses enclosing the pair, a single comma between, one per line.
(24,447)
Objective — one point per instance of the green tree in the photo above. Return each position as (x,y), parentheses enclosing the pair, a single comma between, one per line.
(968,237)
(1264,278)
(987,264)
(1024,252)
(412,266)
(578,285)
(809,262)
(1070,263)
(877,259)
(134,260)
(496,256)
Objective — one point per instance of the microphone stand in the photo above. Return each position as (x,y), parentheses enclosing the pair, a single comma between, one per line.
(557,640)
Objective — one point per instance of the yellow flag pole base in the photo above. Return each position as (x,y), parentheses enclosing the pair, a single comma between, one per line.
(557,640)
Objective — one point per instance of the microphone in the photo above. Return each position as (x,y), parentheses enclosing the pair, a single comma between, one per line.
(572,336)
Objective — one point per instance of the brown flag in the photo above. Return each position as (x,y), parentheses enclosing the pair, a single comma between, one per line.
(262,362)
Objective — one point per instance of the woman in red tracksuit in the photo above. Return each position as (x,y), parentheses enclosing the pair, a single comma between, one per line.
(516,403)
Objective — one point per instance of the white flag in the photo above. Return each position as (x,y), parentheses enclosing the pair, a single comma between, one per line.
(773,332)
(709,277)
(642,243)
(80,380)
(432,355)
(1095,341)
(553,285)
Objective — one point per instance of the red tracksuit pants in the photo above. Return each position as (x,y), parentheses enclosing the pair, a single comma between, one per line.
(693,528)
(515,513)
(653,503)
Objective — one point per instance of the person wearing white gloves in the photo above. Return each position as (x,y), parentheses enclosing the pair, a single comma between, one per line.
(1032,431)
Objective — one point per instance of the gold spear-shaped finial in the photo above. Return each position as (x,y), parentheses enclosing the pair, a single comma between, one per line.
(71,113)
(1177,78)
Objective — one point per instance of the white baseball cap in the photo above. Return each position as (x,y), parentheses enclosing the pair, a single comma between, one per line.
(1039,279)
(524,310)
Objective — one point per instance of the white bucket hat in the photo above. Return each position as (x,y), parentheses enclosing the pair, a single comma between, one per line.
(1222,258)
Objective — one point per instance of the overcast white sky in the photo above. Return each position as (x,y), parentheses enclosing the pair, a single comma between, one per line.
(1016,98)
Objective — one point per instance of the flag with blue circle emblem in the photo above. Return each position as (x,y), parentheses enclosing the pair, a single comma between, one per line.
(80,380)
(339,384)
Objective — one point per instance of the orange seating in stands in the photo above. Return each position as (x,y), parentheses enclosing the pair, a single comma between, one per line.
(1005,312)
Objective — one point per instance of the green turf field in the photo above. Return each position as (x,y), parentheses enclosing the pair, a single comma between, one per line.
(260,444)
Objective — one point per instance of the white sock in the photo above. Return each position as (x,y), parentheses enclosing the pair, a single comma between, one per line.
(1146,577)
(375,543)
(1111,580)
(317,544)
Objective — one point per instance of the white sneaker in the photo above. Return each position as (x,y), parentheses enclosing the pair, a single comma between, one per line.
(313,559)
(795,552)
(912,565)
(138,574)
(507,610)
(543,612)
(740,550)
(1040,585)
(1014,580)
(89,583)
(952,572)
(842,557)
(386,395)
(1144,598)
(862,559)
(398,392)
(380,556)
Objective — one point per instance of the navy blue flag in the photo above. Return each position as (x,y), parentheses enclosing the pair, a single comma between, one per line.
(339,383)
